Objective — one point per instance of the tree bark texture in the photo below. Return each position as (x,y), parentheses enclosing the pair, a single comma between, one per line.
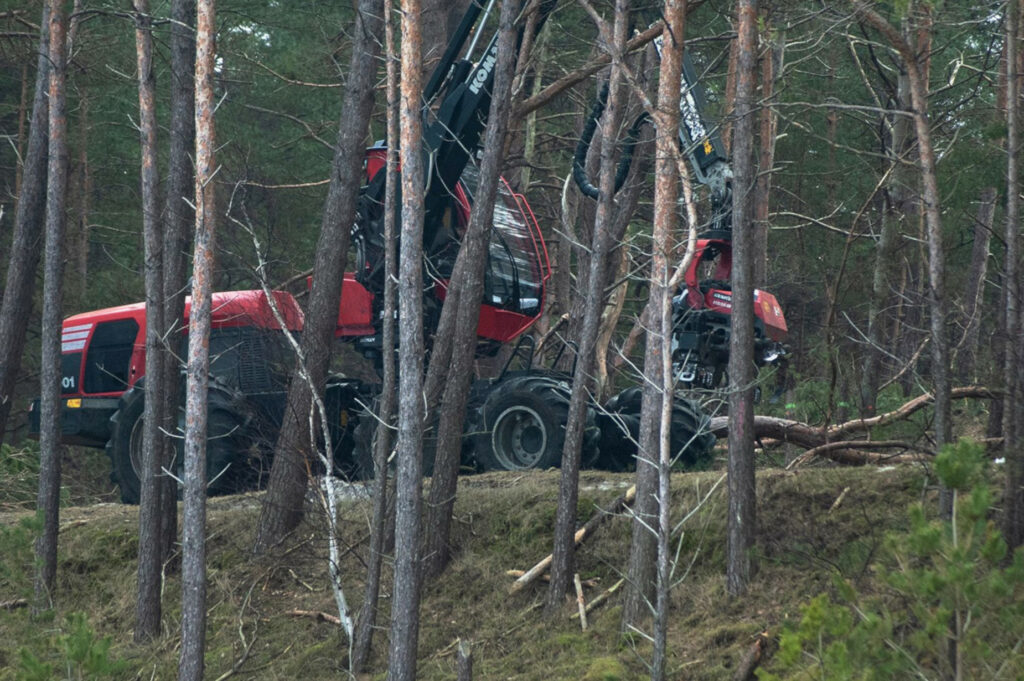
(473,253)
(1013,411)
(405,610)
(974,294)
(771,72)
(568,493)
(283,504)
(936,256)
(902,208)
(367,619)
(666,195)
(22,121)
(179,221)
(641,576)
(48,501)
(742,495)
(27,241)
(81,257)
(147,608)
(193,577)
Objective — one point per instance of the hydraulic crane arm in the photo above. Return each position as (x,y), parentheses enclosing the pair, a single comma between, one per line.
(451,138)
(703,307)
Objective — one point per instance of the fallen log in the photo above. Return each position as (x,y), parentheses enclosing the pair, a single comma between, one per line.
(589,583)
(581,604)
(595,521)
(315,614)
(835,442)
(848,452)
(752,658)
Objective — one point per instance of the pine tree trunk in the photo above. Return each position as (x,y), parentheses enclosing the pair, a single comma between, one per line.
(975,292)
(81,257)
(771,70)
(568,493)
(22,119)
(915,62)
(901,208)
(193,572)
(286,488)
(405,609)
(382,446)
(1013,411)
(48,502)
(147,610)
(473,253)
(641,580)
(178,225)
(27,241)
(742,495)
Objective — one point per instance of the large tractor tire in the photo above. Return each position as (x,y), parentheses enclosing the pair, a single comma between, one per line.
(521,425)
(690,441)
(125,444)
(343,399)
(234,462)
(365,434)
(228,460)
(365,439)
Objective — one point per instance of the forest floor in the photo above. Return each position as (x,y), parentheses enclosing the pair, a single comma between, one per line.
(814,525)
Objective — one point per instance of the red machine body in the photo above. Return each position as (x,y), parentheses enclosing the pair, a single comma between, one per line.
(714,293)
(516,274)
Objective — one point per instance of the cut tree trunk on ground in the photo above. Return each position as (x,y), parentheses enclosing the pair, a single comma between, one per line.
(582,534)
(757,652)
(832,442)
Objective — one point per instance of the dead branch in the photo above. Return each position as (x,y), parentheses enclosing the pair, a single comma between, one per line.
(550,332)
(295,119)
(286,79)
(599,600)
(839,499)
(582,534)
(911,407)
(581,74)
(464,661)
(16,604)
(315,614)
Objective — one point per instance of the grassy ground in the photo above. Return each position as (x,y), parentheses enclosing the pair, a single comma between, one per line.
(503,521)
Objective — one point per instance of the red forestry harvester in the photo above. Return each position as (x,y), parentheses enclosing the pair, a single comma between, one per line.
(516,420)
(103,365)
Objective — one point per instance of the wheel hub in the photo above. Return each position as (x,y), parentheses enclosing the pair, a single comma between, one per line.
(519,438)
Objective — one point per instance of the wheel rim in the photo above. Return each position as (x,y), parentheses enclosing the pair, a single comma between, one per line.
(135,447)
(519,438)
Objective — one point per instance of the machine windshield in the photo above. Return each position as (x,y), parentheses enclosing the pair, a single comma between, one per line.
(514,278)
